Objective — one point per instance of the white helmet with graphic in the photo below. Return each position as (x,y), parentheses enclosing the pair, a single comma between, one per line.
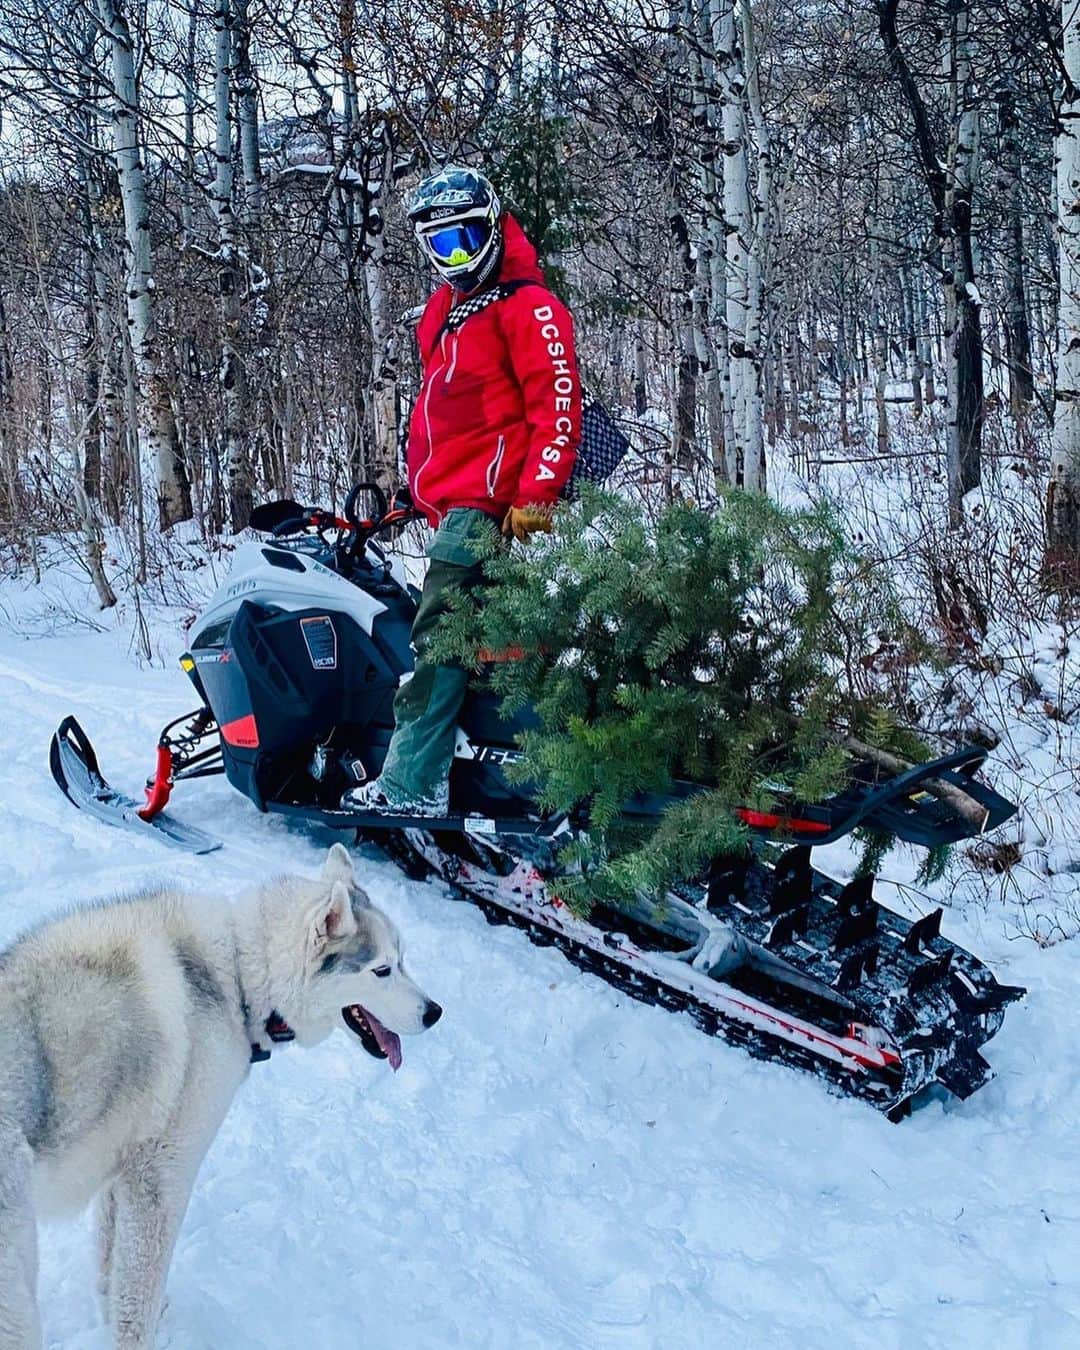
(455,213)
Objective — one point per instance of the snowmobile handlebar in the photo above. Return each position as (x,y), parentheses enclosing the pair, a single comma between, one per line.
(283,518)
(313,518)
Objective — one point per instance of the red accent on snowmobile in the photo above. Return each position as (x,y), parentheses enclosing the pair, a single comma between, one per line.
(488,655)
(242,732)
(768,820)
(75,770)
(850,1049)
(159,788)
(857,1032)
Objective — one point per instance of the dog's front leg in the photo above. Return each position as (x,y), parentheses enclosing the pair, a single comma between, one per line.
(106,1236)
(20,1327)
(150,1196)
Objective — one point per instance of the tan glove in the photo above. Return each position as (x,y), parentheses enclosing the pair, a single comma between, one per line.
(525,521)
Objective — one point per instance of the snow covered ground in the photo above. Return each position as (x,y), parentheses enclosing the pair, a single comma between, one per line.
(554,1166)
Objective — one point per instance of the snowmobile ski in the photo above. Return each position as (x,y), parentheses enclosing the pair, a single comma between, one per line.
(75,768)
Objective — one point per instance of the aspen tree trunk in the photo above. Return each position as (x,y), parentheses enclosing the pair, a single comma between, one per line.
(963,303)
(739,226)
(236,450)
(879,332)
(925,347)
(1063,494)
(9,449)
(843,346)
(694,21)
(794,379)
(700,20)
(351,216)
(761,216)
(685,303)
(518,41)
(91,353)
(113,353)
(154,403)
(911,343)
(67,392)
(247,103)
(187,190)
(91,271)
(1017,327)
(641,369)
(253,311)
(951,185)
(383,401)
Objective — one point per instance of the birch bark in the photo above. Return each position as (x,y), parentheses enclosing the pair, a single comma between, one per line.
(1063,494)
(383,402)
(701,24)
(951,186)
(739,228)
(235,434)
(247,103)
(1017,326)
(154,402)
(760,213)
(963,302)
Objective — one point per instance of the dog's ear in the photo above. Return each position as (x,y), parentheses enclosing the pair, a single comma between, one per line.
(336,918)
(338,865)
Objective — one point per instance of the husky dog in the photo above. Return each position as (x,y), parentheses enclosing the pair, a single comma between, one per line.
(126,1028)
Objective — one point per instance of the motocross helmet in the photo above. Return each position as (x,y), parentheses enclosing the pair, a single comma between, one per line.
(455,213)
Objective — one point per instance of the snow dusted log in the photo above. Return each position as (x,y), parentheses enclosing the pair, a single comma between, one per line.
(1063,494)
(155,404)
(966,807)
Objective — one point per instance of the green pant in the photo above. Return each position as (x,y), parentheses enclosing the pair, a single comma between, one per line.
(426,707)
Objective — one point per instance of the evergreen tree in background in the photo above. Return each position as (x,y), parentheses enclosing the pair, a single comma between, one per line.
(734,648)
(529,140)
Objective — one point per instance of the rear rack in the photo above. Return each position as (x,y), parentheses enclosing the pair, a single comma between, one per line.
(899,805)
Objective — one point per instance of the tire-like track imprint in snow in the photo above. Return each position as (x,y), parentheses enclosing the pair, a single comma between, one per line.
(554,1166)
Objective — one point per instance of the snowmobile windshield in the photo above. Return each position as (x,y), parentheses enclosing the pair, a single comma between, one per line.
(459,243)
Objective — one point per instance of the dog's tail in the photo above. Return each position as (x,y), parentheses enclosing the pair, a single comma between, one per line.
(20,1328)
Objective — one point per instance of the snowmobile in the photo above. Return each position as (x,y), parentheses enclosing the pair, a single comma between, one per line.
(295,663)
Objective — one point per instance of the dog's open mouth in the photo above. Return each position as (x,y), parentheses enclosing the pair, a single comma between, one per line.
(376,1039)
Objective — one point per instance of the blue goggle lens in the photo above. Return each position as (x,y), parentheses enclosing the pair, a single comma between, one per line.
(458,243)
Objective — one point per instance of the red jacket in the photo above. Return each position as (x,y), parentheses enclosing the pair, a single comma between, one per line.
(498,418)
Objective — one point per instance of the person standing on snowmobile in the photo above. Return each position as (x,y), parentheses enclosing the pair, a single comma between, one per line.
(492,442)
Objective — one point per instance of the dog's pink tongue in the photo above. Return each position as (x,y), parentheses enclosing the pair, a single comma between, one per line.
(389,1041)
